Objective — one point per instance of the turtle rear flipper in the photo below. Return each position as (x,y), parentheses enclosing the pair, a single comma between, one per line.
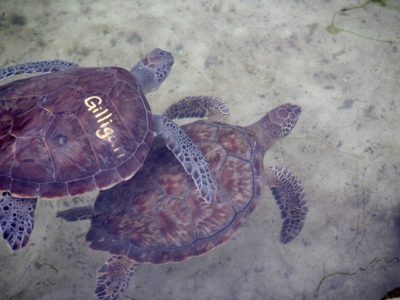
(16,219)
(76,213)
(113,277)
(45,66)
(289,195)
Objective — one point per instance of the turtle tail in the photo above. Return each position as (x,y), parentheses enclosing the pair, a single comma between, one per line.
(76,213)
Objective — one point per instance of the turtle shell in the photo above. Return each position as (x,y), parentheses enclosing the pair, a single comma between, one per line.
(70,132)
(158,216)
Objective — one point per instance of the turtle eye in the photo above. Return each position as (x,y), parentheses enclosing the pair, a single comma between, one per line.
(145,61)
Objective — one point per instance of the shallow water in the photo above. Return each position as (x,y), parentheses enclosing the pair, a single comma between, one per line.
(345,75)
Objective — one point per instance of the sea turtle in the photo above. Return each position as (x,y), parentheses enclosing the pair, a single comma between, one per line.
(156,217)
(75,130)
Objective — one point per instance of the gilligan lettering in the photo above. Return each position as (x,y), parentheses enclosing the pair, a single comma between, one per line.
(103,117)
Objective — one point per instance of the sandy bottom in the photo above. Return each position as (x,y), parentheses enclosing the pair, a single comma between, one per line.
(344,72)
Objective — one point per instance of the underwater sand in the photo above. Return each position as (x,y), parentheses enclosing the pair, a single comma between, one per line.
(255,55)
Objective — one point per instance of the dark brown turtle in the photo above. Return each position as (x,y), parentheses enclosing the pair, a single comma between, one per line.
(75,130)
(156,217)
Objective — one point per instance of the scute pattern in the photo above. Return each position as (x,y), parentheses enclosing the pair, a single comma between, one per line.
(54,144)
(7,150)
(237,177)
(209,220)
(55,102)
(17,106)
(202,132)
(160,217)
(235,142)
(175,232)
(67,142)
(23,126)
(32,154)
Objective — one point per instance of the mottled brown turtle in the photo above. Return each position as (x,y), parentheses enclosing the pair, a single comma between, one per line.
(156,217)
(75,130)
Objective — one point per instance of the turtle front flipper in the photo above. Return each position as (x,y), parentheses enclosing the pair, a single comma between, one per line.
(197,107)
(45,66)
(289,195)
(16,220)
(76,213)
(189,155)
(113,277)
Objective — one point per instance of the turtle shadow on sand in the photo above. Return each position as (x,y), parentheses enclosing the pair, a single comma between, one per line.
(157,216)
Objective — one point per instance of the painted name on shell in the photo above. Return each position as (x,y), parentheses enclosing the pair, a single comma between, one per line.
(104,118)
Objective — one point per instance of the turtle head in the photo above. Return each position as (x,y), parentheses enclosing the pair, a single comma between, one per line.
(153,69)
(281,120)
(276,124)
